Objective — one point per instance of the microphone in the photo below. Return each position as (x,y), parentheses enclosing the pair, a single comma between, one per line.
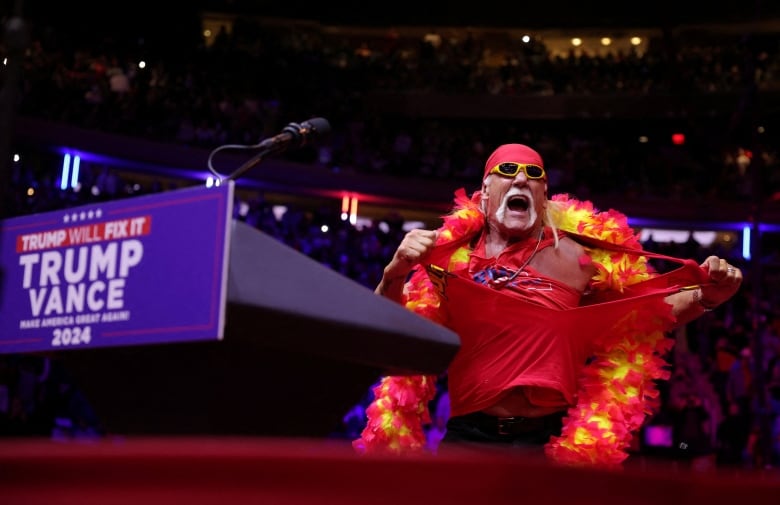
(296,135)
(293,135)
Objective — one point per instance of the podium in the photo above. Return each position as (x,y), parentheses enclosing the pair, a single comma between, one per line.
(187,321)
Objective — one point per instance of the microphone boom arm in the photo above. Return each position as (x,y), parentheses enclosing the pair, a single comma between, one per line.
(255,160)
(293,134)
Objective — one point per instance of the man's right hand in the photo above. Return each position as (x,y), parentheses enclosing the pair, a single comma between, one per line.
(414,248)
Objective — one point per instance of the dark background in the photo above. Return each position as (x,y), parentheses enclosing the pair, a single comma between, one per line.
(536,14)
(506,12)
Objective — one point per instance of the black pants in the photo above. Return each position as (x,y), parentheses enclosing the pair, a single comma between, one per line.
(511,431)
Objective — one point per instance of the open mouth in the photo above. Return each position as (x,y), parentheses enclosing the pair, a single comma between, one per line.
(519,203)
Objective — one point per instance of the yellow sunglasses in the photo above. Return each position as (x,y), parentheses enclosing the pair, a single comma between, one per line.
(511,169)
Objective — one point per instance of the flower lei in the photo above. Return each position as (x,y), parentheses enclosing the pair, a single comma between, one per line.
(617,388)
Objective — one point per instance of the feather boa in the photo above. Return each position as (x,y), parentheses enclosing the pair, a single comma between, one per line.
(617,387)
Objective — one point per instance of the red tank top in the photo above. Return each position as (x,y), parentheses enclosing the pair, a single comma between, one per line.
(557,336)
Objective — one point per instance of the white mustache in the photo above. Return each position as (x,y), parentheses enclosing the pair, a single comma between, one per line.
(516,191)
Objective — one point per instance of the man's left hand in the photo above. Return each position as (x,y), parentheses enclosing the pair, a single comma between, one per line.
(725,278)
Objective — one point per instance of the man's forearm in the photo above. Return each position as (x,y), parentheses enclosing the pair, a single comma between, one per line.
(688,305)
(392,287)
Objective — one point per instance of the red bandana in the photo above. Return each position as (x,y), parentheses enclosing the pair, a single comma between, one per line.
(517,153)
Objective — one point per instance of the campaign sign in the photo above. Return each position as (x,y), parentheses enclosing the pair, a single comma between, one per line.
(143,270)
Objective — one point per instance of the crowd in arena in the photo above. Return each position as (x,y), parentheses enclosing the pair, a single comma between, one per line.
(249,83)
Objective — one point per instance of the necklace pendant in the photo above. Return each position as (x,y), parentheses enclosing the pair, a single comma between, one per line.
(499,282)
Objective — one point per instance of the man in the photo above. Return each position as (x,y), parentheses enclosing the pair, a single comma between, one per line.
(531,305)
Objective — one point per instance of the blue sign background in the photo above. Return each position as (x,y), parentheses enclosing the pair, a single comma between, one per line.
(177,292)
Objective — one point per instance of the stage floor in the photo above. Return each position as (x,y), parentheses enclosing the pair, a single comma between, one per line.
(230,470)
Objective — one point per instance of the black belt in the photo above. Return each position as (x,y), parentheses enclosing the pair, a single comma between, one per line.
(512,426)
